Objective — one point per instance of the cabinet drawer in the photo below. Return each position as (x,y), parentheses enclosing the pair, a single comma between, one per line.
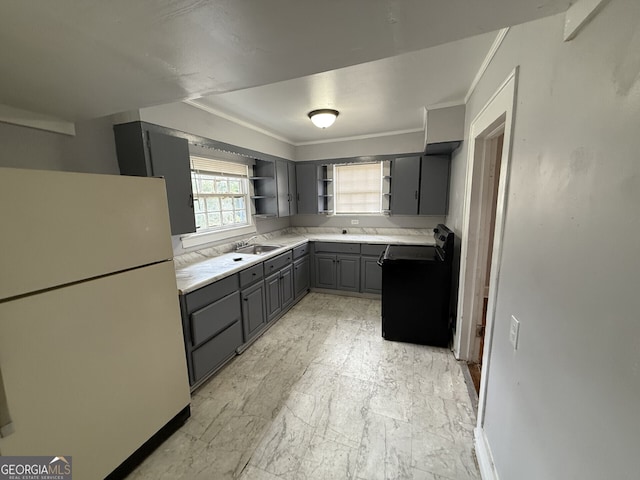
(335,247)
(277,263)
(206,295)
(372,249)
(301,251)
(216,351)
(250,275)
(214,318)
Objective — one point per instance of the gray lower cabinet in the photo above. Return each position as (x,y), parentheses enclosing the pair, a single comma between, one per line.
(301,272)
(278,284)
(370,271)
(254,316)
(212,326)
(338,272)
(272,296)
(370,275)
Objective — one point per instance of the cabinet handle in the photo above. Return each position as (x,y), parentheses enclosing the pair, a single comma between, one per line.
(298,196)
(191,200)
(416,194)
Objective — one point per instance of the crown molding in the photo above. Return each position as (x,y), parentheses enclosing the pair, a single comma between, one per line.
(487,60)
(39,121)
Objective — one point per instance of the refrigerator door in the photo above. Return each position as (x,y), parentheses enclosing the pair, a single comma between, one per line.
(93,370)
(62,227)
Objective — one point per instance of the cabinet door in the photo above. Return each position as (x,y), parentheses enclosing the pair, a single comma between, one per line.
(307,188)
(253,310)
(434,185)
(286,286)
(170,159)
(325,271)
(282,181)
(301,276)
(272,296)
(371,275)
(348,273)
(405,182)
(293,206)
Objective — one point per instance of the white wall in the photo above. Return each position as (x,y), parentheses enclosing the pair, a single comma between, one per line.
(91,150)
(198,122)
(565,404)
(386,145)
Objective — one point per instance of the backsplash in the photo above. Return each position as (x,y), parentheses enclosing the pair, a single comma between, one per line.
(220,249)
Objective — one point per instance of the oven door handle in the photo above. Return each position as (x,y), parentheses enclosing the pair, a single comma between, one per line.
(379,262)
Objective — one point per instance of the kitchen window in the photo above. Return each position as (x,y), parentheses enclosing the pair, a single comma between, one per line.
(220,194)
(358,188)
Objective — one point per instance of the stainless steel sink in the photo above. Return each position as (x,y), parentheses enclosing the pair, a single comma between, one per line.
(258,249)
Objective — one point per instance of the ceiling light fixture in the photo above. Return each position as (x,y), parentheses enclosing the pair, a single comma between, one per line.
(324,117)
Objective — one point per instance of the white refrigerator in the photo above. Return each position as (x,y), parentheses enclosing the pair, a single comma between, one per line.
(92,360)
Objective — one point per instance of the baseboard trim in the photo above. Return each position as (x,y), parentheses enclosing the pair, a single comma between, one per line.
(484,456)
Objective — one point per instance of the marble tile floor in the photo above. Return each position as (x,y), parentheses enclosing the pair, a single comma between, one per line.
(321,395)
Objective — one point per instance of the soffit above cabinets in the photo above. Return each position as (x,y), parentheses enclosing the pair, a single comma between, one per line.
(80,60)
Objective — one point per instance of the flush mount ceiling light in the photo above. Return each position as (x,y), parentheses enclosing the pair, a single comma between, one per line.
(324,117)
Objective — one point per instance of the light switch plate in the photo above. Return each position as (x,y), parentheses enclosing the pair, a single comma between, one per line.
(355,222)
(514,332)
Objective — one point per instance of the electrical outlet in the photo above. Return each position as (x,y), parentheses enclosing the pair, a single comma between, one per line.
(514,332)
(355,222)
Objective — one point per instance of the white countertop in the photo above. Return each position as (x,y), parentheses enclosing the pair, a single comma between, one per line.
(197,275)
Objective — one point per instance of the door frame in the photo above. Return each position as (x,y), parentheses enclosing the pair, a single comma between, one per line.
(498,113)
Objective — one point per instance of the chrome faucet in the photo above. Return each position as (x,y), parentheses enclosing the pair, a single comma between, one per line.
(245,243)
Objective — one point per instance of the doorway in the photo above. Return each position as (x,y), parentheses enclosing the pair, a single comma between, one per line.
(490,141)
(490,165)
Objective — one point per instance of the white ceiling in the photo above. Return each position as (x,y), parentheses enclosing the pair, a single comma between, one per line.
(80,59)
(382,96)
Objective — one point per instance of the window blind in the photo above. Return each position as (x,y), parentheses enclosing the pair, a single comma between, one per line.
(358,188)
(219,167)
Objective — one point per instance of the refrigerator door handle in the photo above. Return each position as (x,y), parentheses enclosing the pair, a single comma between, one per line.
(6,425)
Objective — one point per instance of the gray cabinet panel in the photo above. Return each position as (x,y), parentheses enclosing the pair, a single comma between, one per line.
(170,159)
(300,251)
(325,271)
(336,247)
(272,296)
(286,287)
(405,184)
(210,293)
(293,204)
(216,351)
(371,275)
(307,188)
(348,273)
(251,275)
(372,249)
(434,185)
(301,271)
(253,310)
(214,318)
(276,263)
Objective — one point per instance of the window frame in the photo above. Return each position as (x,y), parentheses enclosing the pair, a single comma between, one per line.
(211,234)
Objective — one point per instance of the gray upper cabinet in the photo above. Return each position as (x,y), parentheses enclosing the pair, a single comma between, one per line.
(144,151)
(420,185)
(285,178)
(405,185)
(307,188)
(434,185)
(293,188)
